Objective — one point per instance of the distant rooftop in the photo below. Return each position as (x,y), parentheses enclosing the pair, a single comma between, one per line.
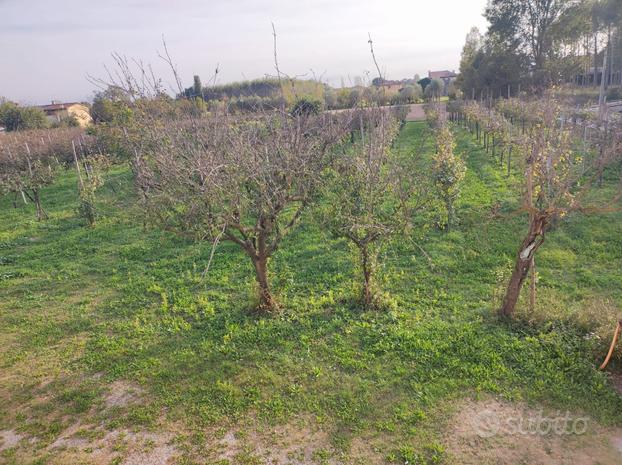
(442,74)
(55,106)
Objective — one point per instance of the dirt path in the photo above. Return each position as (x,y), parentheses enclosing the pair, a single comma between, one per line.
(417,112)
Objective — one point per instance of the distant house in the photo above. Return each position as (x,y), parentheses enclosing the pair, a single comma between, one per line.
(57,111)
(397,85)
(392,86)
(447,77)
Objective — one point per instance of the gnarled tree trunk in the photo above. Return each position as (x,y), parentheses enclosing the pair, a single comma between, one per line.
(266,302)
(41,214)
(531,243)
(367,268)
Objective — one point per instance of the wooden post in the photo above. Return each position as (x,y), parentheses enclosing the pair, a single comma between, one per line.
(75,159)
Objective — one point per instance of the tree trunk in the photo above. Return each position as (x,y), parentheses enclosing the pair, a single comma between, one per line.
(608,64)
(595,84)
(41,214)
(532,286)
(601,95)
(531,243)
(509,161)
(451,214)
(367,265)
(266,302)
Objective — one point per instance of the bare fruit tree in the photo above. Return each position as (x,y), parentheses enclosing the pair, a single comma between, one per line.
(242,178)
(558,180)
(89,167)
(30,160)
(448,171)
(370,193)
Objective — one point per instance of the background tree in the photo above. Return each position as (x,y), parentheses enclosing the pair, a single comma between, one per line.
(424,83)
(407,94)
(197,87)
(16,118)
(434,90)
(377,81)
(527,25)
(306,106)
(468,77)
(110,105)
(491,68)
(26,166)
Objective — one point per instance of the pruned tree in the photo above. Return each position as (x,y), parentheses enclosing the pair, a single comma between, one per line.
(244,178)
(370,194)
(26,170)
(89,166)
(448,172)
(557,182)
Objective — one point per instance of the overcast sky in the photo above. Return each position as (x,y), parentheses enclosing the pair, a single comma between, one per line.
(48,47)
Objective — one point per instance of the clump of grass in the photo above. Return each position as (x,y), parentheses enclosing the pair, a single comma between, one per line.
(594,319)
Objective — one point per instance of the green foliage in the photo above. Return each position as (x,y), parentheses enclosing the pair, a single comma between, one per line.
(306,106)
(102,110)
(537,44)
(258,87)
(67,122)
(425,82)
(408,94)
(488,67)
(111,106)
(197,87)
(16,118)
(377,81)
(432,454)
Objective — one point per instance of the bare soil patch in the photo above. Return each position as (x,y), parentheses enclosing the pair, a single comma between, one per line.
(500,433)
(131,448)
(121,394)
(9,439)
(300,442)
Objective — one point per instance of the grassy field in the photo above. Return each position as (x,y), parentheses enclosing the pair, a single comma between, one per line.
(111,332)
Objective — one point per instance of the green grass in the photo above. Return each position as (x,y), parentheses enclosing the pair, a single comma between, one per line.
(82,307)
